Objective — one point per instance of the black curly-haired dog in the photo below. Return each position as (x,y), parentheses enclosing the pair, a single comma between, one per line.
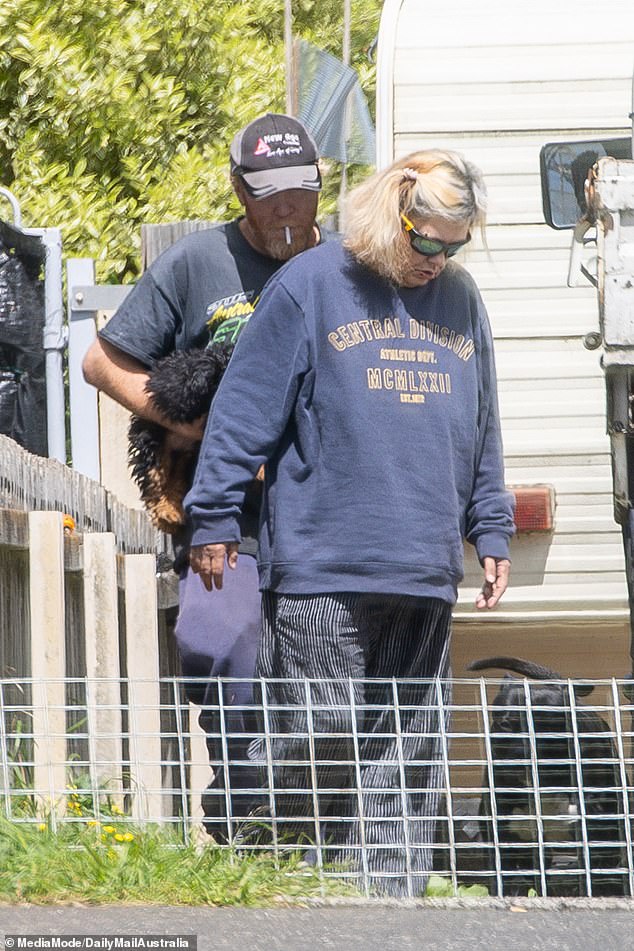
(182,385)
(557,759)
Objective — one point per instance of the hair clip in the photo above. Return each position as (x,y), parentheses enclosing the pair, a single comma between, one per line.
(410,175)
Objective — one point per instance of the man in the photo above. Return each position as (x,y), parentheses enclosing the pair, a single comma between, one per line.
(202,290)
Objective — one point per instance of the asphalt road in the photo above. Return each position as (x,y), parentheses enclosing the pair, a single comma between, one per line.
(369,926)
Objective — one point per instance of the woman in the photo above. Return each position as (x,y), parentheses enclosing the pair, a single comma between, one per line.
(371,397)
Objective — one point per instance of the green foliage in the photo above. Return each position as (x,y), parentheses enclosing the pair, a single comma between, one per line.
(440,887)
(121,113)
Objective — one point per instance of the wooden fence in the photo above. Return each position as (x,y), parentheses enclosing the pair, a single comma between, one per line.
(85,603)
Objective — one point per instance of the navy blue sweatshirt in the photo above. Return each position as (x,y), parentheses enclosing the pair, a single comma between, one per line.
(375,411)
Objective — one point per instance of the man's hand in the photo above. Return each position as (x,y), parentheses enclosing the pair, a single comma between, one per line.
(208,561)
(496,578)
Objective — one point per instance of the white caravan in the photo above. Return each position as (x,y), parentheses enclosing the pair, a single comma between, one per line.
(497,80)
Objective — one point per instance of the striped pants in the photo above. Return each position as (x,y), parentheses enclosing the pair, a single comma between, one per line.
(355,758)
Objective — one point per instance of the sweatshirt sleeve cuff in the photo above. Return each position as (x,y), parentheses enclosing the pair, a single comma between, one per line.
(216,530)
(493,545)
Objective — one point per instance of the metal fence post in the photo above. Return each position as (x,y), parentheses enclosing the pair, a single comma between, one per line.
(54,343)
(84,415)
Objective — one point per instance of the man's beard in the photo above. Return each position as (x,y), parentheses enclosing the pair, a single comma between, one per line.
(277,247)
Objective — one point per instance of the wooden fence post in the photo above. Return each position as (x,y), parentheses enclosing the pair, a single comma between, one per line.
(200,772)
(48,657)
(103,688)
(142,661)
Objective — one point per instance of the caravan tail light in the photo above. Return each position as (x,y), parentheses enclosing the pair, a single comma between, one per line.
(534,507)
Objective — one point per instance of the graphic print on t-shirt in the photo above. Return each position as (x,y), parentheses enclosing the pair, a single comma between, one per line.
(227,317)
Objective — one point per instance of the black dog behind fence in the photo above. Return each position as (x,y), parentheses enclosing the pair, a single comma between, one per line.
(530,779)
(555,804)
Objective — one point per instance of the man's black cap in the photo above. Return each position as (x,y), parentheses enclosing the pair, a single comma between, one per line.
(274,153)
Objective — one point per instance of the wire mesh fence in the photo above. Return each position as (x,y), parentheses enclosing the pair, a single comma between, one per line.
(519,787)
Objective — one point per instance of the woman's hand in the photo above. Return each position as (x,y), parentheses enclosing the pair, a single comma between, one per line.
(208,561)
(496,579)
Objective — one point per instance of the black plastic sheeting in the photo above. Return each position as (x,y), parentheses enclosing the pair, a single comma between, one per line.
(22,357)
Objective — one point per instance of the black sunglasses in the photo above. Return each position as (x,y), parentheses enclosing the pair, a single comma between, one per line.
(431,246)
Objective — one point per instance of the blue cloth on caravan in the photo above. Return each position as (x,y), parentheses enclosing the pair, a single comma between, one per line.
(374,408)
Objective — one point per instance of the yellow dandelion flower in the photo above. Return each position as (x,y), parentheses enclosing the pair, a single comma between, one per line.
(119,837)
(117,811)
(109,829)
(42,827)
(92,823)
(128,837)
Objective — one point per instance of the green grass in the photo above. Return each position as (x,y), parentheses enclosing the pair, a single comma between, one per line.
(101,862)
(438,886)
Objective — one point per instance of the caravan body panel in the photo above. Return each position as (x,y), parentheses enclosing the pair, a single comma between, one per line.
(496,81)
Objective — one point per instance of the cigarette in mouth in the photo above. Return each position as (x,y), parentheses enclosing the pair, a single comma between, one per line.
(287,234)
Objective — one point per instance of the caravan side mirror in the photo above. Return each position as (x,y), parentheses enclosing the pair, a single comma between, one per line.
(564,167)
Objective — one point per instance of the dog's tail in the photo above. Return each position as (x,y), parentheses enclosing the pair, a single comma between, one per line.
(526,668)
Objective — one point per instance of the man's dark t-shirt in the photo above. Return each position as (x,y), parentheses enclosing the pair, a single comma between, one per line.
(203,288)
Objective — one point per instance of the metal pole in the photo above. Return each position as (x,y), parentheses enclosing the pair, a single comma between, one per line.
(288,49)
(632,113)
(84,406)
(54,343)
(15,206)
(345,55)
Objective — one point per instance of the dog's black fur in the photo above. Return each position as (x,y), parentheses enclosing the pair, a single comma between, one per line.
(182,385)
(558,781)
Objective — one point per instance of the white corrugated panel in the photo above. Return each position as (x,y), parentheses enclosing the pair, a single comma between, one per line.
(497,80)
(512,63)
(601,103)
(503,24)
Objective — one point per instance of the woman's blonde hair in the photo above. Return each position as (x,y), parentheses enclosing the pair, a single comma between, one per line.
(426,184)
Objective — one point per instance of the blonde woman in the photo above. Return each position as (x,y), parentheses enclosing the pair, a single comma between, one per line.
(366,383)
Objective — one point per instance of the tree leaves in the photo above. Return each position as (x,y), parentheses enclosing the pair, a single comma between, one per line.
(116,114)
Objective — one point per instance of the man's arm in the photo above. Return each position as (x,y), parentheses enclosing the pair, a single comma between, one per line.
(124,379)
